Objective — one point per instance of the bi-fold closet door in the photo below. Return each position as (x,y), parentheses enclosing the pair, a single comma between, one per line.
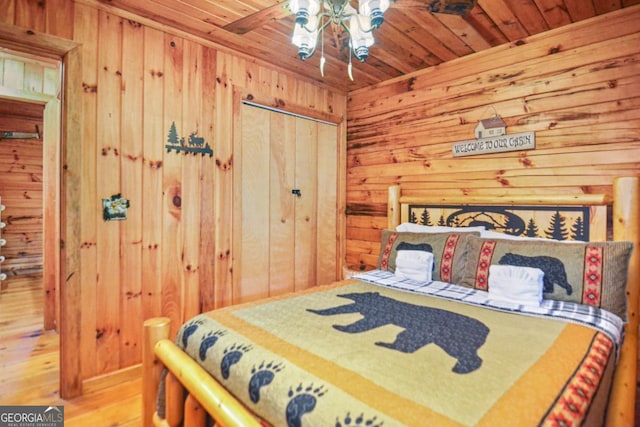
(285,203)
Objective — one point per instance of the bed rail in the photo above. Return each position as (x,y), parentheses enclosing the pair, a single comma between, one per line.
(626,220)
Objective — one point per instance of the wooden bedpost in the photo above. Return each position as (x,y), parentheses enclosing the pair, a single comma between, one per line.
(626,217)
(393,207)
(154,330)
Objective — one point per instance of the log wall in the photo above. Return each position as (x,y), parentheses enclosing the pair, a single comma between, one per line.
(172,256)
(577,88)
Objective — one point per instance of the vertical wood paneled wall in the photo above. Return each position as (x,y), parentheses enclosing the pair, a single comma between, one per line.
(172,256)
(577,88)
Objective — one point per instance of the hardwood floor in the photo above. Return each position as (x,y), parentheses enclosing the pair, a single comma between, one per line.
(29,365)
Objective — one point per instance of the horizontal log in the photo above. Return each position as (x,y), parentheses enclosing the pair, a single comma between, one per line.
(23,271)
(372,222)
(480,163)
(366,209)
(28,216)
(501,182)
(20,159)
(14,168)
(366,234)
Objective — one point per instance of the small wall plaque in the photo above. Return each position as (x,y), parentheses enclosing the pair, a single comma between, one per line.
(115,208)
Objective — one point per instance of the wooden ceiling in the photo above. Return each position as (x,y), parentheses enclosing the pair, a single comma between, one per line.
(411,38)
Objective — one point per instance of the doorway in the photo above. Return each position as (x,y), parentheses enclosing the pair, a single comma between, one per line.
(21,189)
(62,193)
(29,170)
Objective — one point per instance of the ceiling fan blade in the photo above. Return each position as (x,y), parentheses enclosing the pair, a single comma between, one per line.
(451,7)
(259,18)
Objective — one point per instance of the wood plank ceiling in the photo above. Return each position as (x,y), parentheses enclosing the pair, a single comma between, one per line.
(411,38)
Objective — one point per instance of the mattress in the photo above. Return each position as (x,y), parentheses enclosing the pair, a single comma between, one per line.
(377,350)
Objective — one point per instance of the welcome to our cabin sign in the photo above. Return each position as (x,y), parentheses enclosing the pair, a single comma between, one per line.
(497,144)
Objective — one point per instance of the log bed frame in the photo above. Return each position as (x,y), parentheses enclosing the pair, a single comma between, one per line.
(205,395)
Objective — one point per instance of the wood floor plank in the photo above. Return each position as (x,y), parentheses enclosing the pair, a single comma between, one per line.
(30,365)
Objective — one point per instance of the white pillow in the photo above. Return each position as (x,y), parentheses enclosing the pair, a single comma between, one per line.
(490,234)
(414,265)
(518,285)
(418,228)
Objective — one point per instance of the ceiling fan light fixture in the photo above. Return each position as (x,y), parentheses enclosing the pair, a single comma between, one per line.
(306,39)
(313,16)
(303,9)
(361,36)
(375,10)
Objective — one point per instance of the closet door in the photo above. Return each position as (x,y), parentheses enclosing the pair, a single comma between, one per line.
(285,203)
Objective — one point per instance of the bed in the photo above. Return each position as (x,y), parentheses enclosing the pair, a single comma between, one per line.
(436,335)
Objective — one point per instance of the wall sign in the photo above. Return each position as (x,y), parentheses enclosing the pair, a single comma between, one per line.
(491,137)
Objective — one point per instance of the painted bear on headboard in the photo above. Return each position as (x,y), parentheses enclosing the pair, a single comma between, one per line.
(553,268)
(458,335)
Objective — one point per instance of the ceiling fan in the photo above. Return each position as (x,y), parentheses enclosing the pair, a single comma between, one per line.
(280,10)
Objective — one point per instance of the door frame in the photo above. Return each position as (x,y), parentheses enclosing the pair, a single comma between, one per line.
(67,193)
(51,216)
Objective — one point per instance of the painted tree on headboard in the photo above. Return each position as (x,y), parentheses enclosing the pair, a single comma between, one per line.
(426,218)
(532,229)
(557,229)
(578,230)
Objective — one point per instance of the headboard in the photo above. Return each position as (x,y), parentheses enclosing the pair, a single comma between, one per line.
(615,217)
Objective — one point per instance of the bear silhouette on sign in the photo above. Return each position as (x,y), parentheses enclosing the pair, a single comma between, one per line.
(553,269)
(458,335)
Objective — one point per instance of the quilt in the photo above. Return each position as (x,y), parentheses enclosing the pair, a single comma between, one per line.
(373,351)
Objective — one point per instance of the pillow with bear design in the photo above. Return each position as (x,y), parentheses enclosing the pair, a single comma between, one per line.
(592,273)
(449,251)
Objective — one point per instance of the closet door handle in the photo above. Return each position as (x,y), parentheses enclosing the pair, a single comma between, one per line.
(296,192)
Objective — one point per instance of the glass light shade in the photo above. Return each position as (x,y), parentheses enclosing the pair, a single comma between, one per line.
(361,36)
(303,9)
(374,9)
(305,39)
